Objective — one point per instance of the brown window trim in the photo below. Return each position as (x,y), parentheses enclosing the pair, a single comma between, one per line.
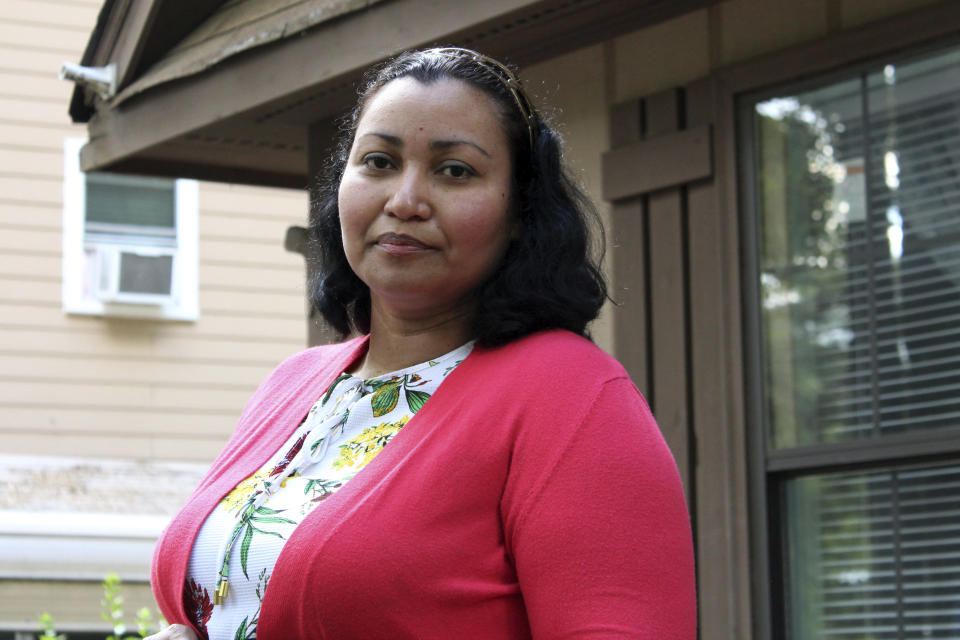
(841,55)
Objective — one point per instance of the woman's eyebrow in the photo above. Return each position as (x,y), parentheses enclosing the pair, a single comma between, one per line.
(436,145)
(440,145)
(394,141)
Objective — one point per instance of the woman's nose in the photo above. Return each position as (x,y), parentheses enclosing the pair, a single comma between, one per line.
(410,198)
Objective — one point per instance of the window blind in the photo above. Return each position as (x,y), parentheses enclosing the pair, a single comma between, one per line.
(876,555)
(873,329)
(137,202)
(858,198)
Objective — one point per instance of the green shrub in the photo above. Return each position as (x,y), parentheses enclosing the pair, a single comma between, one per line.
(113,613)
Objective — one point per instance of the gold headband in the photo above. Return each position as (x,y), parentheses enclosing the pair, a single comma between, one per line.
(503,74)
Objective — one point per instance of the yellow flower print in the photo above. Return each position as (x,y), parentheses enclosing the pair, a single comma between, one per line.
(239,496)
(362,449)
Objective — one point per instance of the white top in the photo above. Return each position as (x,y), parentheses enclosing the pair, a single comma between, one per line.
(244,534)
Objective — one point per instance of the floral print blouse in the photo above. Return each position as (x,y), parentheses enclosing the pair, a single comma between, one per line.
(242,537)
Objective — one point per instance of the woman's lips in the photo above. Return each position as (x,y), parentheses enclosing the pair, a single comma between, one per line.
(399,244)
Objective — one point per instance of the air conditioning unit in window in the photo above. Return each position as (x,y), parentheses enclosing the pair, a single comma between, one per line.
(134,274)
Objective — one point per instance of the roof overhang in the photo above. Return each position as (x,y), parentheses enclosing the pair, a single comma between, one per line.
(231,94)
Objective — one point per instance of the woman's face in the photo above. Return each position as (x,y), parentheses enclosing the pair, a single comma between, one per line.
(425,198)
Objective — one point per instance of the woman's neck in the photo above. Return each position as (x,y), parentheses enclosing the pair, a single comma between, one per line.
(397,342)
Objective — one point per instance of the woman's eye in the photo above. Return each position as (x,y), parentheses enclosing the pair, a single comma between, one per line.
(456,170)
(376,161)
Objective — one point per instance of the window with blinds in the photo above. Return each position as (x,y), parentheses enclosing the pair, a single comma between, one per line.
(875,554)
(131,209)
(129,244)
(857,195)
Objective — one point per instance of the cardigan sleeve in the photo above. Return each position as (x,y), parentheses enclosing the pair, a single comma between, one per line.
(602,546)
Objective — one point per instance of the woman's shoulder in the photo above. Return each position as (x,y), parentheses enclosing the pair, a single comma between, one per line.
(325,352)
(556,353)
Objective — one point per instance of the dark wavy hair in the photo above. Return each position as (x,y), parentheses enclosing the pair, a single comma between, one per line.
(548,278)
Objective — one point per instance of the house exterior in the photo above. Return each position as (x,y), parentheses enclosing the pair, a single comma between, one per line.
(107,418)
(779,183)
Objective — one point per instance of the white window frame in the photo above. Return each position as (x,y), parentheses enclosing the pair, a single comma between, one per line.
(183,304)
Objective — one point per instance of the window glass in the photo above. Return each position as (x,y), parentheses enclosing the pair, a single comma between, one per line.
(875,555)
(129,243)
(147,205)
(914,141)
(858,192)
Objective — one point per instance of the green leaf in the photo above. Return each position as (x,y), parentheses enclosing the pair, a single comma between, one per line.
(385,400)
(343,421)
(378,384)
(333,384)
(245,549)
(273,519)
(241,633)
(416,399)
(266,514)
(248,509)
(268,533)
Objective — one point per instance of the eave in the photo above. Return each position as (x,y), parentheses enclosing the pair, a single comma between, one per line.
(246,117)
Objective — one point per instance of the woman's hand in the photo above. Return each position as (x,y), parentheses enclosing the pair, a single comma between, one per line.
(174,632)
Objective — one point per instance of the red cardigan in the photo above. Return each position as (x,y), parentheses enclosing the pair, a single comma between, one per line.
(532,496)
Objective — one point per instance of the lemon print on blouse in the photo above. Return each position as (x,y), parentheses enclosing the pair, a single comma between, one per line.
(358,451)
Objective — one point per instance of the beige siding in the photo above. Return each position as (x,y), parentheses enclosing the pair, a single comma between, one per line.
(98,387)
(251,290)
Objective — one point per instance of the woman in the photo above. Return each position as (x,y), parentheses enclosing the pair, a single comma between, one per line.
(525,492)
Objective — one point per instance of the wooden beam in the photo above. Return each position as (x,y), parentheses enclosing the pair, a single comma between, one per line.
(723,555)
(125,45)
(629,291)
(244,83)
(668,160)
(177,168)
(668,284)
(541,38)
(629,283)
(936,23)
(116,19)
(243,154)
(297,80)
